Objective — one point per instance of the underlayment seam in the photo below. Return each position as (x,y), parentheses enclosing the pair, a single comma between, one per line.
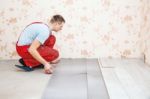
(99,63)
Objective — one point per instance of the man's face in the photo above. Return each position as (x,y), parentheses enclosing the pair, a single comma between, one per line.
(58,26)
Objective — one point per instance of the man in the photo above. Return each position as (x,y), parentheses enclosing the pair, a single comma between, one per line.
(35,45)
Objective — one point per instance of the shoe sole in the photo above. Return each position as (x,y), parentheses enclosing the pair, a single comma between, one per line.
(25,68)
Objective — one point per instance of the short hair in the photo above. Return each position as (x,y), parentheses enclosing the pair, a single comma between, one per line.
(57,18)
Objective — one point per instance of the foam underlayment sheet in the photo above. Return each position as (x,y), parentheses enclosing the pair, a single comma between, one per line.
(76,79)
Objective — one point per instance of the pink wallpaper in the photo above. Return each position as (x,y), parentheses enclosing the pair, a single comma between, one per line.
(94,28)
(145,30)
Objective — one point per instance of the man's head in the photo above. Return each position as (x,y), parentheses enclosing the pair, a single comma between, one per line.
(57,22)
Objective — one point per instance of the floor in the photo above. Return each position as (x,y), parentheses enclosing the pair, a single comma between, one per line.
(122,78)
(16,84)
(126,78)
(76,79)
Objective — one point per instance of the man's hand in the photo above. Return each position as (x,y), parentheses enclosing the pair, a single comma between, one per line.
(48,69)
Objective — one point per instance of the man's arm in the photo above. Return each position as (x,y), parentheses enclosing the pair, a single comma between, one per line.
(33,51)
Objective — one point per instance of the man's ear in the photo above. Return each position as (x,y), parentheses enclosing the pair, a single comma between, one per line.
(58,23)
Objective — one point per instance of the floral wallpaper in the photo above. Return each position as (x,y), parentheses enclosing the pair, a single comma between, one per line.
(145,31)
(94,28)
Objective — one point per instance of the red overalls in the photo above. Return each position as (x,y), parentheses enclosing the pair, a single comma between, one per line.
(46,51)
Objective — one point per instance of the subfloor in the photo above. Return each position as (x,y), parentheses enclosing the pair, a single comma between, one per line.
(78,79)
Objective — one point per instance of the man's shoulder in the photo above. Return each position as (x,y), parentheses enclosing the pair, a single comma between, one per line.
(38,24)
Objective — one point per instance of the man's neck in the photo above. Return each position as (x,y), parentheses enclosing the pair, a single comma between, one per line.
(51,27)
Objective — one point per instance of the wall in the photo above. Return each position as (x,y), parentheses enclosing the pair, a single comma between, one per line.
(145,30)
(94,28)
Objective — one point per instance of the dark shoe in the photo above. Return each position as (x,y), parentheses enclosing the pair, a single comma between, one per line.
(22,62)
(39,66)
(25,68)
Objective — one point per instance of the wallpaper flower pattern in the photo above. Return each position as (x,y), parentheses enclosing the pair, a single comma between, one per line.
(94,28)
(145,31)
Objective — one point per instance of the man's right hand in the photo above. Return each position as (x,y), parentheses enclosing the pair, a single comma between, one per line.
(48,69)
